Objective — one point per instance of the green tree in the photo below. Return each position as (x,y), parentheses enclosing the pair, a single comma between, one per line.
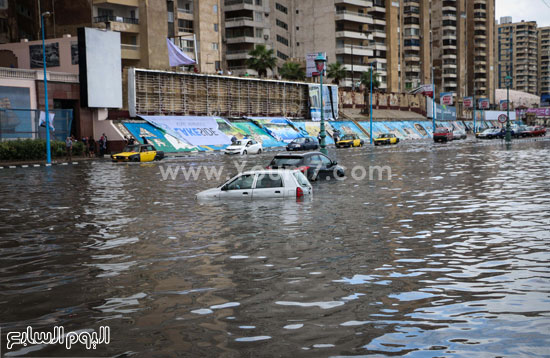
(337,72)
(292,71)
(261,60)
(365,81)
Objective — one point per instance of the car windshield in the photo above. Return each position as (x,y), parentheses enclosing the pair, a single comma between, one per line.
(299,140)
(286,162)
(348,137)
(384,135)
(441,130)
(131,148)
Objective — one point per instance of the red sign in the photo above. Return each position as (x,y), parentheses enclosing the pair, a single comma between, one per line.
(502,118)
(468,102)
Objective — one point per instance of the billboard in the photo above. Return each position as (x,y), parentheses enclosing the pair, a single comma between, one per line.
(52,55)
(503,104)
(545,99)
(468,102)
(483,103)
(446,98)
(99,65)
(311,69)
(330,102)
(443,113)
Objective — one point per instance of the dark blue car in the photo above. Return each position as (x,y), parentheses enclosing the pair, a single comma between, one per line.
(303,143)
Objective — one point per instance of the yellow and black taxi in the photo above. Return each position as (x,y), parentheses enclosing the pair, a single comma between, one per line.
(349,140)
(138,153)
(386,139)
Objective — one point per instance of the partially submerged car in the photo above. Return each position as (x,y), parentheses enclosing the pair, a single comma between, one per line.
(314,165)
(349,140)
(386,139)
(244,147)
(490,133)
(261,184)
(459,134)
(138,153)
(443,134)
(303,143)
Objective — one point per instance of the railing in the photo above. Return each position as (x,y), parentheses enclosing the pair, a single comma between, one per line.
(126,20)
(355,47)
(244,18)
(37,75)
(237,2)
(187,30)
(353,13)
(236,52)
(187,11)
(129,47)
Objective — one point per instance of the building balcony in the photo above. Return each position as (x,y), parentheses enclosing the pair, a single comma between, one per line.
(130,52)
(362,3)
(355,50)
(357,67)
(185,14)
(449,37)
(245,39)
(237,55)
(353,17)
(379,21)
(449,17)
(449,75)
(415,69)
(241,22)
(379,46)
(131,3)
(449,56)
(410,47)
(412,58)
(480,26)
(378,34)
(448,8)
(117,23)
(235,5)
(353,35)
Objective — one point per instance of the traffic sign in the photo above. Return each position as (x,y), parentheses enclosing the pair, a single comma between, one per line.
(502,118)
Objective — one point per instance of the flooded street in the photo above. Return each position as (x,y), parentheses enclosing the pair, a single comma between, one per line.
(450,258)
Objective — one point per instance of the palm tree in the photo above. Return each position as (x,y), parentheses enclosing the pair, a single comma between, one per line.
(365,81)
(292,71)
(337,72)
(261,60)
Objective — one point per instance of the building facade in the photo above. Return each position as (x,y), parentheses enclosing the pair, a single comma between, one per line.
(518,55)
(544,60)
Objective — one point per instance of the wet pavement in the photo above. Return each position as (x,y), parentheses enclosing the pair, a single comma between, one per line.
(447,259)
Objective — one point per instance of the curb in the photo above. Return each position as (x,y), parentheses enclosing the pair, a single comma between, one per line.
(36,165)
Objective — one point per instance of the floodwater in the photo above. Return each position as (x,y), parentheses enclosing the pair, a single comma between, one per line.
(450,258)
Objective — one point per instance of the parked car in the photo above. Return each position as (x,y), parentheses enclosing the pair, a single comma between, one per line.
(443,134)
(490,133)
(261,184)
(459,134)
(350,140)
(521,131)
(537,131)
(243,147)
(386,139)
(314,165)
(304,143)
(138,153)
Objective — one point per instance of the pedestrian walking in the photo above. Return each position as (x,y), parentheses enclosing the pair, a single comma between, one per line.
(86,143)
(69,148)
(101,143)
(91,147)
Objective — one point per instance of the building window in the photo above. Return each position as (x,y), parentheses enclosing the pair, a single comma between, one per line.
(282,24)
(259,32)
(218,65)
(215,9)
(297,44)
(281,8)
(259,2)
(214,46)
(282,40)
(297,28)
(281,55)
(216,27)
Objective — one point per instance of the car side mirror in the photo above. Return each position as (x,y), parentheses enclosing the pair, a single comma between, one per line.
(334,163)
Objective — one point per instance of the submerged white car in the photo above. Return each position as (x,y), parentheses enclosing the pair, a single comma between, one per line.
(244,146)
(258,184)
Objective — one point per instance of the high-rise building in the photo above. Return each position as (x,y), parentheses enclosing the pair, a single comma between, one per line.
(518,56)
(544,60)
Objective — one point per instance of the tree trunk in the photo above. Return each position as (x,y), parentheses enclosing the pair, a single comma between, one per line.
(366,102)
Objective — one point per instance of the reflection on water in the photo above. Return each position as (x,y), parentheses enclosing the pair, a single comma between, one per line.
(450,258)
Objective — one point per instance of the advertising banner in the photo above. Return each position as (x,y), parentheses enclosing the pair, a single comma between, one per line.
(330,102)
(279,128)
(191,129)
(446,98)
(42,120)
(545,99)
(493,115)
(483,103)
(468,102)
(539,112)
(311,69)
(443,113)
(503,104)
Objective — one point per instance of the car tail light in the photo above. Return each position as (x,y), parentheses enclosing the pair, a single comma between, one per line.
(299,192)
(268,167)
(303,169)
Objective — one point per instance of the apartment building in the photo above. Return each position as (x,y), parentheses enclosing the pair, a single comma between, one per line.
(197,28)
(518,56)
(544,60)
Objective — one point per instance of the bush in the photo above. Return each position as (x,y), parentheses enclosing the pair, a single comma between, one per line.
(35,149)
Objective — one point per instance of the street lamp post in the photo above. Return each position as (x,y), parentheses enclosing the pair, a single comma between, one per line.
(508,133)
(48,150)
(370,109)
(320,61)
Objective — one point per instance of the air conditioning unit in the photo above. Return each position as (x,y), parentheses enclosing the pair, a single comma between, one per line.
(266,37)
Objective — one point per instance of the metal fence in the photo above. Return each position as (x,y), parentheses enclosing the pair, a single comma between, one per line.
(24,124)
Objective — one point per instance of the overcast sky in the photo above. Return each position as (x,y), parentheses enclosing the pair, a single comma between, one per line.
(528,10)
